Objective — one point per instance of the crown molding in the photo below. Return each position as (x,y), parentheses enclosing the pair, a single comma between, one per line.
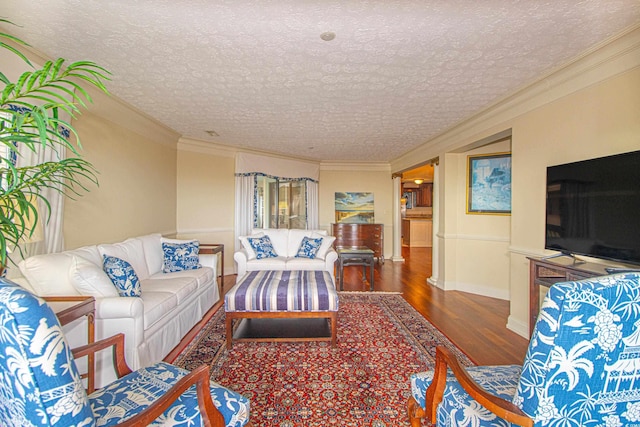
(609,59)
(218,149)
(119,112)
(205,147)
(356,166)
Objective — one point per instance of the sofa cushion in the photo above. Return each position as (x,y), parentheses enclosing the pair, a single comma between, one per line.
(90,253)
(279,239)
(152,247)
(48,274)
(123,276)
(262,247)
(181,287)
(132,251)
(308,247)
(157,305)
(251,254)
(294,239)
(180,256)
(202,275)
(89,279)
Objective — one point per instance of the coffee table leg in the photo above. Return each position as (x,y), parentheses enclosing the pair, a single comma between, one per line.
(229,332)
(371,271)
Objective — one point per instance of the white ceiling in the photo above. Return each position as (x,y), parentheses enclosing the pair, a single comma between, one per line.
(257,72)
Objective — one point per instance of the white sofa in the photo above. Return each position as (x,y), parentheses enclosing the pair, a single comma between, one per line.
(286,243)
(154,323)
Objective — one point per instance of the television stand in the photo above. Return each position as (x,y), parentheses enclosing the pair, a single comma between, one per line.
(549,270)
(576,261)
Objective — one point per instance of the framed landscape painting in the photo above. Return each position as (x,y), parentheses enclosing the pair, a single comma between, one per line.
(489,184)
(354,208)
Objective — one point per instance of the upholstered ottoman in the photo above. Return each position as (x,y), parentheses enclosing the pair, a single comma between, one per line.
(280,295)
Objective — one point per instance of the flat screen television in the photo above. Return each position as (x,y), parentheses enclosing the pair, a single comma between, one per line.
(593,208)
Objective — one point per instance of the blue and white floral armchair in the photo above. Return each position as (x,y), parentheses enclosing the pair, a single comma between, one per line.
(582,367)
(40,384)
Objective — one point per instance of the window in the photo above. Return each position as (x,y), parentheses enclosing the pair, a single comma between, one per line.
(280,203)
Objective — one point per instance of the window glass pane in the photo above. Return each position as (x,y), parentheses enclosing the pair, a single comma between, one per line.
(266,197)
(280,203)
(298,208)
(283,205)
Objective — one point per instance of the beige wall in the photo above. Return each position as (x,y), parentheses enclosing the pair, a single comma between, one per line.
(136,161)
(588,109)
(137,186)
(206,196)
(600,120)
(358,178)
(477,245)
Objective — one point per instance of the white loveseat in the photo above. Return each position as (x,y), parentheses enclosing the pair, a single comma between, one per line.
(286,243)
(170,304)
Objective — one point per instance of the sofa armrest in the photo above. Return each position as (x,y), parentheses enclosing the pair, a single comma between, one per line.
(331,257)
(210,260)
(119,307)
(329,260)
(121,315)
(241,257)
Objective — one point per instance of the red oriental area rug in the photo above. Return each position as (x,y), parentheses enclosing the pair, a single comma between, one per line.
(364,381)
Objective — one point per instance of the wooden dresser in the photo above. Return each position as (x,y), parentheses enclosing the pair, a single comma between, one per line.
(357,235)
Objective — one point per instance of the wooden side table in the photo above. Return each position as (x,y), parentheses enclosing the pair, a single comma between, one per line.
(212,249)
(70,308)
(355,256)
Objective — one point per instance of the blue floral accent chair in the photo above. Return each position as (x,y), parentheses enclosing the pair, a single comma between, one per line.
(40,384)
(582,367)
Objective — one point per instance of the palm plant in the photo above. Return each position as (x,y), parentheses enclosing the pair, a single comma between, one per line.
(30,119)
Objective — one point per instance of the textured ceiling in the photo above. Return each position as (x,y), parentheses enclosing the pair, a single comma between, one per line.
(257,72)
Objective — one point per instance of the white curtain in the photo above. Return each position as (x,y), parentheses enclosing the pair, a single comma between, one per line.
(52,220)
(312,205)
(245,187)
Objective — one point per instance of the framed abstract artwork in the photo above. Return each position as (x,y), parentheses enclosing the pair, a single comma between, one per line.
(489,184)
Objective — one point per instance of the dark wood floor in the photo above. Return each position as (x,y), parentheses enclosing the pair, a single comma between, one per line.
(476,324)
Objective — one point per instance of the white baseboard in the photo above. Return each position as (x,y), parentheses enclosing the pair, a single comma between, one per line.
(478,290)
(519,327)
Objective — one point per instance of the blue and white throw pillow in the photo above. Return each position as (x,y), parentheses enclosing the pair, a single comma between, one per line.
(122,275)
(309,248)
(181,256)
(262,247)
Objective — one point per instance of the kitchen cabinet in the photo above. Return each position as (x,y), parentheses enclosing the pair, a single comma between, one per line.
(424,196)
(420,196)
(417,232)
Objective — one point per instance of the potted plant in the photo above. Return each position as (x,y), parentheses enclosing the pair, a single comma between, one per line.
(30,119)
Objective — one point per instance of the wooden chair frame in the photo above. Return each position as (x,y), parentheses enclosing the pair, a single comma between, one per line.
(445,359)
(211,417)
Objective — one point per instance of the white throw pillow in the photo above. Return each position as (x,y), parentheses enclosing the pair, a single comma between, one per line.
(327,241)
(90,279)
(280,240)
(132,251)
(152,246)
(251,254)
